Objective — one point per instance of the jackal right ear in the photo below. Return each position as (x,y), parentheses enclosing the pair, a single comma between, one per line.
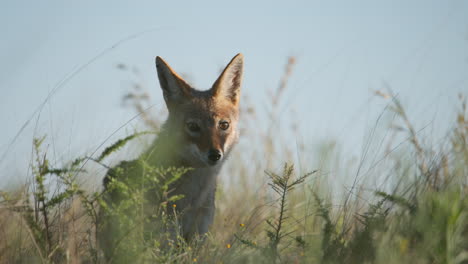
(229,82)
(173,86)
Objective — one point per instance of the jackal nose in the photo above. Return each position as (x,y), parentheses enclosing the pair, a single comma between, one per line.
(214,155)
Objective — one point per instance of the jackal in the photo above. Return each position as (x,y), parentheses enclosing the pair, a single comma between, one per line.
(199,133)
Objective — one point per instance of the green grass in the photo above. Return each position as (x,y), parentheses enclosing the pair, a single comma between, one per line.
(421,216)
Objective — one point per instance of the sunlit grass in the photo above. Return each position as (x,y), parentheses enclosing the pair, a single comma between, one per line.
(280,216)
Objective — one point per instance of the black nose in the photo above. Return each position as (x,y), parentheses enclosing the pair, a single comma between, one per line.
(214,155)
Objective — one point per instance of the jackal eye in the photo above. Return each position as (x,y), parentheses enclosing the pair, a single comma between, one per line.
(193,127)
(224,125)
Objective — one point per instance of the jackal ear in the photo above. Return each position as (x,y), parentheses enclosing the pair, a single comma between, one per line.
(173,86)
(229,82)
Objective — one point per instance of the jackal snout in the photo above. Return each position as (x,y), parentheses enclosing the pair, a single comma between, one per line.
(206,148)
(214,155)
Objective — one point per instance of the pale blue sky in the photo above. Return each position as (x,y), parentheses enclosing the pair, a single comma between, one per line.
(345,49)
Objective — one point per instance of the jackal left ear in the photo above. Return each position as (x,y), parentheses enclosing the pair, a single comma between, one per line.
(174,87)
(229,82)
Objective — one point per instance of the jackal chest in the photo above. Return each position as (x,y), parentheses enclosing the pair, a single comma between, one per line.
(197,206)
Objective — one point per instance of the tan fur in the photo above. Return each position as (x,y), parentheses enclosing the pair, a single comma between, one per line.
(207,109)
(193,136)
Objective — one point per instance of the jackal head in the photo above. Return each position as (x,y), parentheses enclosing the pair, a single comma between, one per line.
(204,123)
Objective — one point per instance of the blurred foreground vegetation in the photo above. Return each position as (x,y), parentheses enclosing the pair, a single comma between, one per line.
(284,215)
